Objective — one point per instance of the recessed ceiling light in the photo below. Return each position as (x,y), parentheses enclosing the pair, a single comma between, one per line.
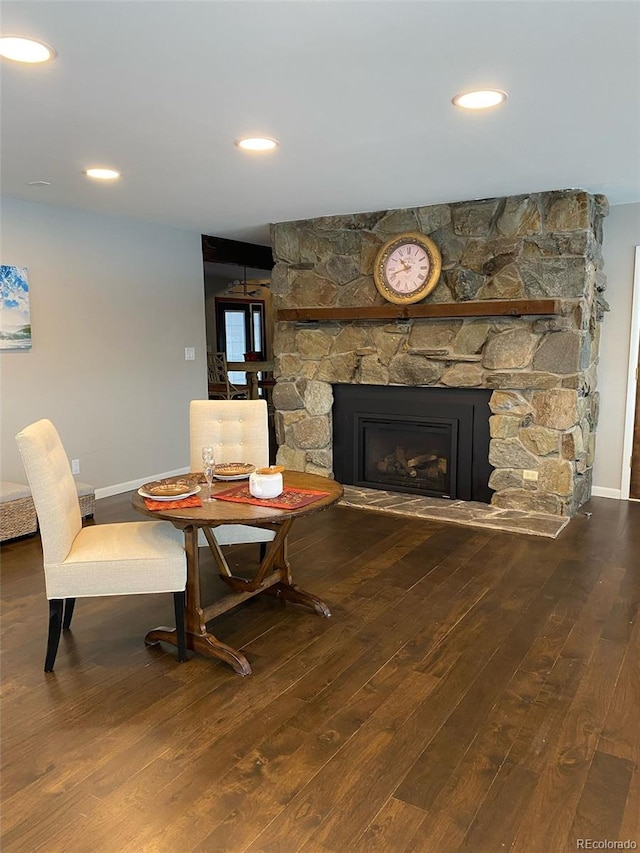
(479,100)
(21,49)
(257,143)
(102,174)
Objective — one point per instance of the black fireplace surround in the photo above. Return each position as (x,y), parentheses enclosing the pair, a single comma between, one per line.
(417,440)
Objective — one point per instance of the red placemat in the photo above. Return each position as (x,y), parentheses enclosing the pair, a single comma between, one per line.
(289,499)
(194,500)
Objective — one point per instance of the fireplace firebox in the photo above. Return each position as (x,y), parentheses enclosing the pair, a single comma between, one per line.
(423,441)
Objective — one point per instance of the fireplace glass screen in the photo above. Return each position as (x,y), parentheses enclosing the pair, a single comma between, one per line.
(423,441)
(407,456)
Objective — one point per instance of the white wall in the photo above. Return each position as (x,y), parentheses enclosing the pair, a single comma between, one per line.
(621,236)
(114,303)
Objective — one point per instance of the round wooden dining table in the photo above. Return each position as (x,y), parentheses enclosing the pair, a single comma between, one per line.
(272,577)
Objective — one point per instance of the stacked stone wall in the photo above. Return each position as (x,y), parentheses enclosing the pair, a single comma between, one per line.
(542,370)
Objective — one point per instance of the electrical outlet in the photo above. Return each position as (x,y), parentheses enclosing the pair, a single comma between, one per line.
(529,475)
(75,466)
(189,353)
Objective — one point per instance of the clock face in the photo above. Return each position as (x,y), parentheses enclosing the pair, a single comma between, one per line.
(407,268)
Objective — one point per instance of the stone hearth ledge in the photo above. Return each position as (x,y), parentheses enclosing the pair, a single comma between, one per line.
(467,513)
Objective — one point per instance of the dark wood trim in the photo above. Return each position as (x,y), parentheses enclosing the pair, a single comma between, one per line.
(488,308)
(218,250)
(242,300)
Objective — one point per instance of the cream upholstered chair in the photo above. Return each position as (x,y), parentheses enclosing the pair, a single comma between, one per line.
(104,559)
(238,432)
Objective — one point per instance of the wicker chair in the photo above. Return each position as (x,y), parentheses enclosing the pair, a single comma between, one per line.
(125,558)
(220,388)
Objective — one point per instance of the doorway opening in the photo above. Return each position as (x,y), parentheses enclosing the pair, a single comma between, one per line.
(241,332)
(238,316)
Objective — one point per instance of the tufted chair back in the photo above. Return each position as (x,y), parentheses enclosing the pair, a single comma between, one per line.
(236,429)
(52,487)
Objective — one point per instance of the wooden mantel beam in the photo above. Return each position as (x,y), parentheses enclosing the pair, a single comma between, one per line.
(487,308)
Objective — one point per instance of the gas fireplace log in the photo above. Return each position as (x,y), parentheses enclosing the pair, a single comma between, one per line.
(391,465)
(395,463)
(401,456)
(422,460)
(425,464)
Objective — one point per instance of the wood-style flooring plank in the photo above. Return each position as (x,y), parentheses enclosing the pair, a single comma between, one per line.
(621,732)
(391,829)
(630,825)
(601,807)
(552,807)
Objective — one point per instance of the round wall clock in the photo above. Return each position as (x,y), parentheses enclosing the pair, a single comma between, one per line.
(407,268)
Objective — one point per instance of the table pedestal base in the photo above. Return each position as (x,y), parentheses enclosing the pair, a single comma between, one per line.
(207,644)
(273,577)
(291,592)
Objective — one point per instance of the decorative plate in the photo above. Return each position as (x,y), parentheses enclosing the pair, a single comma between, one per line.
(233,470)
(159,491)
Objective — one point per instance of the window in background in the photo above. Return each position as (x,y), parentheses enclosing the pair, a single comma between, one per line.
(240,330)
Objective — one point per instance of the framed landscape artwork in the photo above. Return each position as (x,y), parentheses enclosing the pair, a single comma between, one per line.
(15,320)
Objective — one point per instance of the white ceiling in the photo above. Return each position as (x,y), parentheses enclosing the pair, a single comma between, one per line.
(358,93)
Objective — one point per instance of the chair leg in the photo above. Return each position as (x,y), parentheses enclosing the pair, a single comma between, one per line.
(179,603)
(55,626)
(69,604)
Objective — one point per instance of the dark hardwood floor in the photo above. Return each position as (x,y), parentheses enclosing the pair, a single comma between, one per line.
(473,690)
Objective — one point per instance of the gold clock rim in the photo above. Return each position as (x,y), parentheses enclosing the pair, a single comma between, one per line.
(435,267)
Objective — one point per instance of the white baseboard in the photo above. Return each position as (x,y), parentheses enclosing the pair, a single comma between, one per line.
(119,488)
(602,492)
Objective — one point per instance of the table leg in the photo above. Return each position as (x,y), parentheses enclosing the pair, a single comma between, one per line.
(286,589)
(198,638)
(274,576)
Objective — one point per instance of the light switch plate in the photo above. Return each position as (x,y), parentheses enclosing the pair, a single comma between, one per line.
(189,353)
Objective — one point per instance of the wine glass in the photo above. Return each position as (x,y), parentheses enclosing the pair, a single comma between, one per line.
(208,467)
(209,470)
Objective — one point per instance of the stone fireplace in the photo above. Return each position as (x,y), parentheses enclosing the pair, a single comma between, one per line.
(540,369)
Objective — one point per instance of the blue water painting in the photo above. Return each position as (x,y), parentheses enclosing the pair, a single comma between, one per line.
(15,319)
